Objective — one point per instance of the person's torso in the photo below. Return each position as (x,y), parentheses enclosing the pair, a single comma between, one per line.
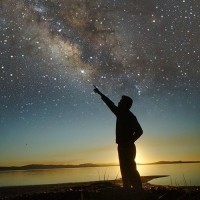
(124,130)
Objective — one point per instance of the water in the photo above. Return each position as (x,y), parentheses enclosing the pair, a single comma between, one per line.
(179,174)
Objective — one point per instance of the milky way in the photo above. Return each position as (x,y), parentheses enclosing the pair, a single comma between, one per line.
(52,52)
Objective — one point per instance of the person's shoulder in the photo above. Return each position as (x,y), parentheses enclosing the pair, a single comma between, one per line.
(131,115)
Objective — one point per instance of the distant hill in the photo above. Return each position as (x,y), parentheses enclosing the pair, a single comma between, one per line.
(170,162)
(41,166)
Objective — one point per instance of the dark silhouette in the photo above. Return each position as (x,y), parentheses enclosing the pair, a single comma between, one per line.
(128,130)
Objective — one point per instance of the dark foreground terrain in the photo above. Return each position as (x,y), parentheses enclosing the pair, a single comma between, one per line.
(101,190)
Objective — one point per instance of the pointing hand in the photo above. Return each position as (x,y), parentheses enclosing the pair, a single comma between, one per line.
(96,90)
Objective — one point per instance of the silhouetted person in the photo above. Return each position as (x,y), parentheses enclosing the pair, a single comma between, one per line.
(128,130)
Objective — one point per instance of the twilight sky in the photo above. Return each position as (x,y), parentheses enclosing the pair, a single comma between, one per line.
(53,51)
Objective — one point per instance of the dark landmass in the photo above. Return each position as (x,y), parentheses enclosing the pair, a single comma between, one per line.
(41,166)
(170,162)
(99,190)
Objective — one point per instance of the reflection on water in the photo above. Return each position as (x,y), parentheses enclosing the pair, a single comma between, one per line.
(52,176)
(180,174)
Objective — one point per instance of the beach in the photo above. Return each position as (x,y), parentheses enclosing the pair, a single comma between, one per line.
(99,190)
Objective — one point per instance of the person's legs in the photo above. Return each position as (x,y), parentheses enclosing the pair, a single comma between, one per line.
(134,175)
(130,175)
(123,161)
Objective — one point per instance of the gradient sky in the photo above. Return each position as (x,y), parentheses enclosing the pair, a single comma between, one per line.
(52,52)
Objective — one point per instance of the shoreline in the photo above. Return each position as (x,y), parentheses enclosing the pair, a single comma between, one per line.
(109,189)
(145,179)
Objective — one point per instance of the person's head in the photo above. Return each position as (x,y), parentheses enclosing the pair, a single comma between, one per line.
(125,103)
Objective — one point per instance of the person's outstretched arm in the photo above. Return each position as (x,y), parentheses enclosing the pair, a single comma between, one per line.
(107,101)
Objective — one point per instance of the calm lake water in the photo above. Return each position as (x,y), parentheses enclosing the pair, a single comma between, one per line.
(179,174)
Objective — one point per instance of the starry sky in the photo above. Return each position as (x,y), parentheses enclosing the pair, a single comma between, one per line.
(53,51)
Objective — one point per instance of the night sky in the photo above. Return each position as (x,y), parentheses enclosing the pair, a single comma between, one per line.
(53,51)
